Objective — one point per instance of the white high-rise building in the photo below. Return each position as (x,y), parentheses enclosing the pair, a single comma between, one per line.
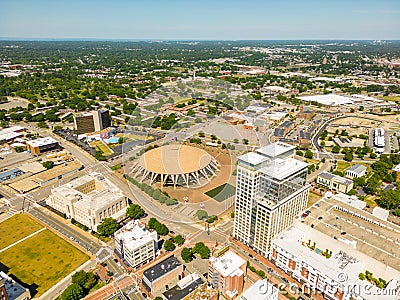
(271,190)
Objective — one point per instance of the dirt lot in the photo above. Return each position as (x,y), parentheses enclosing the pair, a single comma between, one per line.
(196,194)
(14,102)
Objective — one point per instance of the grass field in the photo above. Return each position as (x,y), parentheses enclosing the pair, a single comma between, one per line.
(312,199)
(342,165)
(100,145)
(16,228)
(41,261)
(222,192)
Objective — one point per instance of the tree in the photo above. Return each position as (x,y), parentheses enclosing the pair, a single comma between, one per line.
(245,141)
(335,149)
(107,227)
(169,246)
(99,155)
(187,255)
(201,214)
(348,156)
(178,240)
(309,154)
(134,211)
(80,278)
(73,292)
(90,281)
(299,153)
(48,164)
(202,250)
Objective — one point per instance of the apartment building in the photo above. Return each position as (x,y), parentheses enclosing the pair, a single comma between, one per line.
(271,190)
(334,182)
(331,275)
(226,273)
(89,200)
(96,120)
(135,245)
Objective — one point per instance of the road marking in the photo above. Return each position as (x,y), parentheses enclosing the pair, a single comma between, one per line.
(21,240)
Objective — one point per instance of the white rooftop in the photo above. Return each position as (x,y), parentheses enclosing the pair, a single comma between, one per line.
(103,193)
(134,235)
(253,158)
(339,263)
(350,200)
(328,99)
(380,213)
(282,168)
(260,290)
(228,264)
(396,168)
(275,149)
(42,142)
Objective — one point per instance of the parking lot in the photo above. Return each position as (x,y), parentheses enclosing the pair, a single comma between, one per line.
(371,239)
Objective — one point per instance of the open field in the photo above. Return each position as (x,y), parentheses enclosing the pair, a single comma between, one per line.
(222,192)
(16,228)
(100,145)
(342,165)
(41,261)
(312,199)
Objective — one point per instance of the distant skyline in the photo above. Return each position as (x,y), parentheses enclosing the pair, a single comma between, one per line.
(201,20)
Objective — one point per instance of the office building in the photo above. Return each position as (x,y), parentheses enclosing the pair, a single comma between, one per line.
(260,290)
(226,273)
(101,119)
(334,182)
(12,290)
(135,245)
(356,170)
(89,200)
(41,145)
(271,190)
(162,274)
(83,123)
(93,121)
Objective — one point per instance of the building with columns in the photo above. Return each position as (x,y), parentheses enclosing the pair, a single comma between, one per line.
(89,199)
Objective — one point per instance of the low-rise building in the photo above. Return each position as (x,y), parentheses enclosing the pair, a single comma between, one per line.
(9,174)
(184,288)
(226,273)
(331,275)
(163,273)
(335,182)
(306,112)
(12,290)
(135,245)
(89,200)
(260,290)
(355,171)
(41,145)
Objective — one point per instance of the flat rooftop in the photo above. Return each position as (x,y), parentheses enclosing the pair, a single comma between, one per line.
(339,263)
(56,171)
(180,290)
(228,264)
(329,99)
(260,290)
(13,288)
(164,267)
(275,149)
(134,235)
(42,142)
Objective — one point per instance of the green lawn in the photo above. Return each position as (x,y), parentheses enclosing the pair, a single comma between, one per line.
(222,192)
(41,261)
(342,165)
(100,145)
(16,228)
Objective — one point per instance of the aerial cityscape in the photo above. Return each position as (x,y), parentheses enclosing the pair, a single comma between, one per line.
(199,151)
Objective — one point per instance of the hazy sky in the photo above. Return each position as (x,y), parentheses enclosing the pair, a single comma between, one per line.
(201,19)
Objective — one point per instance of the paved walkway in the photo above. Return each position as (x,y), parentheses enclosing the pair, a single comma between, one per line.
(21,240)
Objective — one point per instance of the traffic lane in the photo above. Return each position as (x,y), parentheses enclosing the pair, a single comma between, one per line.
(65,230)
